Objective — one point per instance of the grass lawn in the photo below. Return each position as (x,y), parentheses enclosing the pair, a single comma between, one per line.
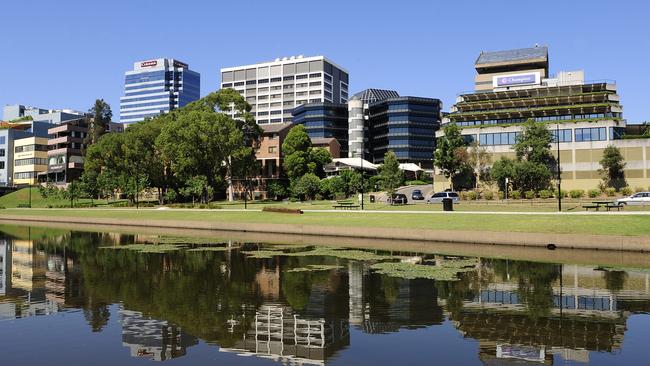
(21,197)
(627,225)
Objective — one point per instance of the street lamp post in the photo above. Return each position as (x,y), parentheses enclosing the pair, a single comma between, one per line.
(30,195)
(559,174)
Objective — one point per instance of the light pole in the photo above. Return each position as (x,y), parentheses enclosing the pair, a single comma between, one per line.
(559,174)
(362,187)
(30,195)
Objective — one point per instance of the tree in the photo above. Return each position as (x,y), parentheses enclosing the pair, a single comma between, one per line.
(391,175)
(530,176)
(479,160)
(350,182)
(447,155)
(332,186)
(296,150)
(307,186)
(502,169)
(196,187)
(276,189)
(613,168)
(99,122)
(534,144)
(318,158)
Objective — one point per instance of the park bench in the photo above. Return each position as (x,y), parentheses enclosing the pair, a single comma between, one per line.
(617,206)
(588,206)
(345,205)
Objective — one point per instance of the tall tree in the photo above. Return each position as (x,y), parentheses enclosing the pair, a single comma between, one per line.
(534,144)
(300,157)
(391,175)
(612,168)
(99,121)
(448,154)
(479,160)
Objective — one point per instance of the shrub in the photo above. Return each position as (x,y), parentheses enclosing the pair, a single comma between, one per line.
(626,191)
(515,195)
(529,195)
(2,207)
(488,195)
(501,195)
(416,182)
(576,193)
(463,195)
(638,189)
(472,195)
(610,191)
(545,193)
(593,193)
(564,193)
(214,205)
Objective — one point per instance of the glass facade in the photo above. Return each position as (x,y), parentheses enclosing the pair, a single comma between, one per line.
(406,126)
(324,120)
(157,86)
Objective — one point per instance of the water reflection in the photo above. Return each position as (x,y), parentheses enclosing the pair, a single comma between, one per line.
(169,303)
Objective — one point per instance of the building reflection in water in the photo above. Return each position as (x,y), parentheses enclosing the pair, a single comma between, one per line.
(154,339)
(519,312)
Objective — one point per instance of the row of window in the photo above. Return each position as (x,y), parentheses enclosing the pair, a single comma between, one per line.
(565,135)
(273,80)
(539,119)
(25,175)
(30,161)
(28,148)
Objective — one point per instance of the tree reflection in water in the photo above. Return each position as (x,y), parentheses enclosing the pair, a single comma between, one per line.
(227,299)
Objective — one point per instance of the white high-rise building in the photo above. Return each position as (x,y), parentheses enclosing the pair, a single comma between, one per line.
(157,86)
(274,88)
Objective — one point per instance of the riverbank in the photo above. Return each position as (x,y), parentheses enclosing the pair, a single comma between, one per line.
(598,231)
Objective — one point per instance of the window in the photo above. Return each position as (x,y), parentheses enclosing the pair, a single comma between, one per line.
(503,138)
(2,152)
(565,135)
(288,86)
(2,164)
(263,81)
(315,75)
(241,83)
(251,82)
(273,149)
(3,140)
(287,78)
(304,76)
(273,80)
(226,85)
(591,134)
(315,83)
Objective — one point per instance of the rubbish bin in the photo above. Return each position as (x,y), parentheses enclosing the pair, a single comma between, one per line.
(447,204)
(372,198)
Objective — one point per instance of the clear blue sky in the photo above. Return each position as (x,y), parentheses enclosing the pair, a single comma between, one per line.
(64,54)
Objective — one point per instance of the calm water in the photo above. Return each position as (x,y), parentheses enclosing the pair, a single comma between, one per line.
(65,300)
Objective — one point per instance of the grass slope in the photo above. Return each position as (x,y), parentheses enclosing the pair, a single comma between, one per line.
(628,225)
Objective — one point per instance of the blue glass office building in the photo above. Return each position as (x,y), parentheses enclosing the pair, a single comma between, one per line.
(157,86)
(405,125)
(323,120)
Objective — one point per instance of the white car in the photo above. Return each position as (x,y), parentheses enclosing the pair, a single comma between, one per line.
(641,198)
(438,197)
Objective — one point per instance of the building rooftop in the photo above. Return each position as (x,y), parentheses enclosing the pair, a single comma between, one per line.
(373,95)
(275,127)
(521,54)
(323,140)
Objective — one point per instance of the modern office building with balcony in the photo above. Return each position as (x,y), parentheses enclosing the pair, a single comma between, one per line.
(65,152)
(324,120)
(275,88)
(512,87)
(358,129)
(157,86)
(29,159)
(406,126)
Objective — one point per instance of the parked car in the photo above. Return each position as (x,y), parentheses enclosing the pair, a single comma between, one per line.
(641,198)
(438,197)
(399,199)
(417,195)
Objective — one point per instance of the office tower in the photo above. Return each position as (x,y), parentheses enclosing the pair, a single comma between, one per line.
(157,86)
(275,88)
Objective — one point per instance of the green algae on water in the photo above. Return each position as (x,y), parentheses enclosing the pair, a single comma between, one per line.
(148,248)
(315,267)
(446,271)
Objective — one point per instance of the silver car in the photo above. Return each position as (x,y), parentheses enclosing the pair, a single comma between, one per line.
(641,198)
(438,197)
